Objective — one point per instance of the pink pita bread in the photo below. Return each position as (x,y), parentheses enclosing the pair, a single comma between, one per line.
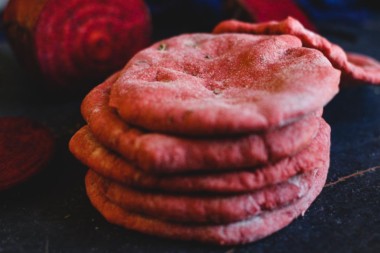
(162,153)
(110,165)
(355,66)
(203,84)
(202,208)
(240,232)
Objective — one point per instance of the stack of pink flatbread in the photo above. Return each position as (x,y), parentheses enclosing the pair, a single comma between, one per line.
(215,138)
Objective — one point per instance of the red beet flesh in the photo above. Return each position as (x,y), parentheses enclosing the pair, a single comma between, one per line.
(25,148)
(74,44)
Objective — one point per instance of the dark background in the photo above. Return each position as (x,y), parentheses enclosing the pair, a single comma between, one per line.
(51,213)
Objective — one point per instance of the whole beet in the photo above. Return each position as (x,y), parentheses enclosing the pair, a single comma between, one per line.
(72,45)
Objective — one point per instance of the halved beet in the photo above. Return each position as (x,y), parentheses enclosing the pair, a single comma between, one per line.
(25,148)
(74,44)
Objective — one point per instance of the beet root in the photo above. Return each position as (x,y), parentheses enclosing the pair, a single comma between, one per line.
(25,148)
(72,45)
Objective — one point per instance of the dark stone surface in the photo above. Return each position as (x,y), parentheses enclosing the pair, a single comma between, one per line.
(51,213)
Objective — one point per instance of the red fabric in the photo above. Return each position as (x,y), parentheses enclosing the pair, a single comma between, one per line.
(268,10)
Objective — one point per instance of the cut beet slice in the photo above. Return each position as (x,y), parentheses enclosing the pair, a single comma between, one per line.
(356,67)
(75,44)
(162,153)
(25,148)
(202,84)
(240,232)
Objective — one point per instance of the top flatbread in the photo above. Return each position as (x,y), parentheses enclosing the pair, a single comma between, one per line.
(204,84)
(354,66)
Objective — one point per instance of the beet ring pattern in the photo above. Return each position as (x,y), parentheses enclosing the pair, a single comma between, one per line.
(26,147)
(79,41)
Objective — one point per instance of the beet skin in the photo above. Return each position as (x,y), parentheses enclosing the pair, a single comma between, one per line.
(72,45)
